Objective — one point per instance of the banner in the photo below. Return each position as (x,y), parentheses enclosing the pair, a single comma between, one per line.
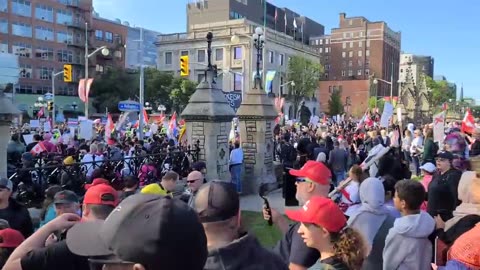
(387,114)
(439,127)
(268,80)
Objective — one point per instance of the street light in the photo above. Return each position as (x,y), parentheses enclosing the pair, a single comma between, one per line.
(258,43)
(104,50)
(74,106)
(161,108)
(148,106)
(292,83)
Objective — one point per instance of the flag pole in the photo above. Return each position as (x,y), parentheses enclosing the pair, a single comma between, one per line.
(266,42)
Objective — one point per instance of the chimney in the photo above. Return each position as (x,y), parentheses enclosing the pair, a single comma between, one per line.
(342,16)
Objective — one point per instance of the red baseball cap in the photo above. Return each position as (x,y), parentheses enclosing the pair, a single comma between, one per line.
(321,212)
(97,181)
(315,171)
(101,194)
(10,238)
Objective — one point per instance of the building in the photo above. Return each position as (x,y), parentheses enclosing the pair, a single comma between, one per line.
(46,34)
(9,70)
(355,51)
(258,12)
(420,65)
(133,56)
(113,35)
(235,56)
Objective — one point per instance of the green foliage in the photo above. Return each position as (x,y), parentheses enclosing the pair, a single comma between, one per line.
(305,74)
(373,102)
(160,88)
(440,92)
(253,222)
(335,105)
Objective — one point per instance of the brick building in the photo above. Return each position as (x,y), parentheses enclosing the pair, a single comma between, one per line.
(46,34)
(355,51)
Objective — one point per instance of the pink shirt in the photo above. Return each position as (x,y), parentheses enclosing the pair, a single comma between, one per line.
(50,146)
(425,182)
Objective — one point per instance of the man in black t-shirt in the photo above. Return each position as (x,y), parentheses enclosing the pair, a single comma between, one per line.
(313,179)
(32,254)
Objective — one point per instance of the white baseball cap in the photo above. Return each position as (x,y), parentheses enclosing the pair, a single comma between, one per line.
(428,167)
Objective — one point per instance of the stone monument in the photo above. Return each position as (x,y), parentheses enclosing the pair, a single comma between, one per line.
(256,116)
(208,117)
(7,112)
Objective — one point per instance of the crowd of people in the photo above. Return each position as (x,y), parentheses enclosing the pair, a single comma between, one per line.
(370,198)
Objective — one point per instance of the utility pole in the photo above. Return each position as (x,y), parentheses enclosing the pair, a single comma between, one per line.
(142,87)
(86,70)
(53,93)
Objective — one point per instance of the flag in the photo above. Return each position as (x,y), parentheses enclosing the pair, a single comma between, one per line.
(285,19)
(38,149)
(182,138)
(87,91)
(81,90)
(445,106)
(294,23)
(172,125)
(41,112)
(145,116)
(468,123)
(276,15)
(439,127)
(109,127)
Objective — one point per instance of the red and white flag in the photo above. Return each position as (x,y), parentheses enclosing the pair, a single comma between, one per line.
(82,92)
(145,116)
(38,149)
(445,106)
(468,123)
(41,112)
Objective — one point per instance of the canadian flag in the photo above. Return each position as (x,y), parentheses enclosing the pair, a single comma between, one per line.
(468,123)
(38,149)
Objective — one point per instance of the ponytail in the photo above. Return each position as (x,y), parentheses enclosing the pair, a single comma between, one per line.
(349,246)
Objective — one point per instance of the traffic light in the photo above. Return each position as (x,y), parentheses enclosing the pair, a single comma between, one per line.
(50,105)
(67,73)
(184,68)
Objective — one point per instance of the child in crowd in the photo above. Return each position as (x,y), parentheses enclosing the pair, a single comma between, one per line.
(407,245)
(428,169)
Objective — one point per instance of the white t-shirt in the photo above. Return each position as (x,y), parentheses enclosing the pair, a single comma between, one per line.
(353,190)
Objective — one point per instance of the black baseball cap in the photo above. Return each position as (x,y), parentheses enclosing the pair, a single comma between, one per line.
(217,201)
(65,196)
(446,155)
(151,230)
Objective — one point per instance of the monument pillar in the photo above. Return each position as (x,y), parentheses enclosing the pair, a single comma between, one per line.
(208,117)
(256,116)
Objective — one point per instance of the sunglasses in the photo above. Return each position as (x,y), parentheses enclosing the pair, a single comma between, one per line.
(192,181)
(302,180)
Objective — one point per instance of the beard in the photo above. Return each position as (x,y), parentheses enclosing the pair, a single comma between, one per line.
(301,201)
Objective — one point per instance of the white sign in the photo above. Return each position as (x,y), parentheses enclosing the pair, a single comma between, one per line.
(399,115)
(86,130)
(439,128)
(387,114)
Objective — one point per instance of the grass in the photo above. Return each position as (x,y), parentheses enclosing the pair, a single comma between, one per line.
(254,222)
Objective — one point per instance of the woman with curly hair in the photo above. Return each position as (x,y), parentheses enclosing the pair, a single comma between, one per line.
(324,227)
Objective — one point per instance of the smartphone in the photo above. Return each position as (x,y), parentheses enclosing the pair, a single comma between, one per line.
(266,205)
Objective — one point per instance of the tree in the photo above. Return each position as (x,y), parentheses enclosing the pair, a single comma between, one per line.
(335,105)
(112,87)
(157,87)
(180,92)
(305,74)
(440,92)
(374,102)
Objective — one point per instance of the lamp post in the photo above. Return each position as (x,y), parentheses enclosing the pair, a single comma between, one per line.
(74,106)
(258,43)
(104,51)
(148,106)
(7,112)
(292,83)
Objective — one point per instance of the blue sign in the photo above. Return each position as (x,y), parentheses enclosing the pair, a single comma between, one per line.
(48,96)
(128,106)
(234,99)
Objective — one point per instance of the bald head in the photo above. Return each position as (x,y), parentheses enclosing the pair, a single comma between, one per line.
(194,180)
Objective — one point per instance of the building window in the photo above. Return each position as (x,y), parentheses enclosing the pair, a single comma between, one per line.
(25,71)
(327,41)
(63,37)
(317,42)
(343,73)
(359,62)
(344,54)
(201,56)
(118,54)
(44,13)
(367,53)
(350,63)
(367,71)
(350,54)
(327,49)
(360,44)
(24,89)
(200,77)
(43,90)
(360,53)
(44,33)
(321,41)
(235,15)
(64,16)
(367,63)
(368,43)
(344,45)
(45,73)
(350,72)
(109,37)
(3,26)
(351,44)
(3,46)
(3,5)
(320,50)
(344,64)
(168,58)
(326,75)
(22,49)
(98,34)
(271,56)
(327,67)
(237,82)
(65,56)
(184,53)
(22,29)
(219,54)
(44,53)
(22,8)
(237,53)
(359,72)
(281,59)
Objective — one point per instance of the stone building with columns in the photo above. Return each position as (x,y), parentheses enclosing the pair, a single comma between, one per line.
(235,57)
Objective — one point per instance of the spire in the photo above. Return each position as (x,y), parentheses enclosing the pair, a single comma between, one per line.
(461,93)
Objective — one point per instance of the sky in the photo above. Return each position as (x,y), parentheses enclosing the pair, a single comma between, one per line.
(447,30)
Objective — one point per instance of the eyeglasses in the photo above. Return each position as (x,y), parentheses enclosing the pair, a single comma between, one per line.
(192,181)
(302,180)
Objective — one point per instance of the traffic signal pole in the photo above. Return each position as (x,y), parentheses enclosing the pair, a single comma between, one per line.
(53,94)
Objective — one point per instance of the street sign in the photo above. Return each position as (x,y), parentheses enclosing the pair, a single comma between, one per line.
(129,106)
(48,96)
